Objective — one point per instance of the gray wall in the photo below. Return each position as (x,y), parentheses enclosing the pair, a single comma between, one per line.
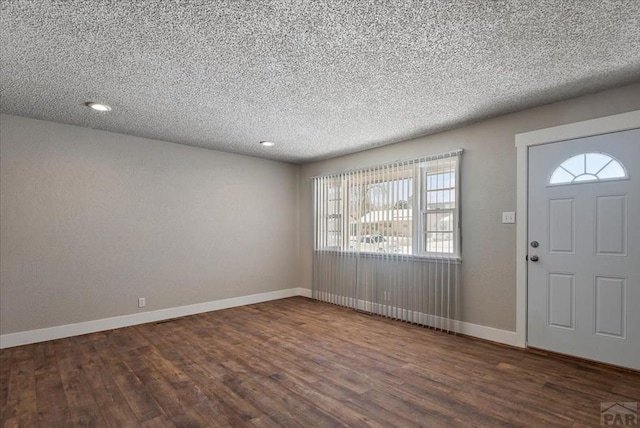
(92,220)
(488,188)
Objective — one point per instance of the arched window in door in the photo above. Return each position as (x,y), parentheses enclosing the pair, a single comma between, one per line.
(587,167)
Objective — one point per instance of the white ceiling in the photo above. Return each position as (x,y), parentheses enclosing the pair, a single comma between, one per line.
(320,78)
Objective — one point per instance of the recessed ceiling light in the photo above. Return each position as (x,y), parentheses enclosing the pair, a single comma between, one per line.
(98,106)
(268,143)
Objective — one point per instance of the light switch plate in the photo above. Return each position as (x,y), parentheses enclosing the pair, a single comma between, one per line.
(509,217)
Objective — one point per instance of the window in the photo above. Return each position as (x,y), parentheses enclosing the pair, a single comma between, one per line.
(440,209)
(330,215)
(405,208)
(588,167)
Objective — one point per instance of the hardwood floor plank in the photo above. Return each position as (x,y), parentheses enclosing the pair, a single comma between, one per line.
(84,410)
(6,366)
(22,421)
(111,402)
(21,391)
(52,406)
(183,361)
(163,422)
(138,398)
(298,363)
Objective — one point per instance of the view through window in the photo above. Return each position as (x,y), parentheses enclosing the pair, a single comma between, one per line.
(408,208)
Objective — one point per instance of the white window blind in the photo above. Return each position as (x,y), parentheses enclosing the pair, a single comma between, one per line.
(407,208)
(387,239)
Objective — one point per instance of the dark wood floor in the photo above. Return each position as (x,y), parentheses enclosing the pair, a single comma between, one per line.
(297,362)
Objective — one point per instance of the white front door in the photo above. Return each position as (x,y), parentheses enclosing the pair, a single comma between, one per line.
(584,248)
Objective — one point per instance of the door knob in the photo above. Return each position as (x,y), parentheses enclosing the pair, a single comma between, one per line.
(534,258)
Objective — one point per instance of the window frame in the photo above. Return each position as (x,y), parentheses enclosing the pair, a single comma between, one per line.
(424,211)
(419,172)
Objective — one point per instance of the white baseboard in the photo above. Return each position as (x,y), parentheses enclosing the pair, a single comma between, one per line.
(505,337)
(304,292)
(480,331)
(69,330)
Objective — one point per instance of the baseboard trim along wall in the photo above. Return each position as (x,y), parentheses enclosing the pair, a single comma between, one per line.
(438,322)
(69,330)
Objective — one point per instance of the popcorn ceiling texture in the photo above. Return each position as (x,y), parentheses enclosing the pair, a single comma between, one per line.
(320,78)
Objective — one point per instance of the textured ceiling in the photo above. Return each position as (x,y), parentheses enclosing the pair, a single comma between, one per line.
(320,78)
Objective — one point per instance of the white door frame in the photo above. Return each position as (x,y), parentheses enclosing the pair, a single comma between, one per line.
(587,128)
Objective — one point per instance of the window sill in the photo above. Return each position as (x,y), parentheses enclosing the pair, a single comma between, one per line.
(392,256)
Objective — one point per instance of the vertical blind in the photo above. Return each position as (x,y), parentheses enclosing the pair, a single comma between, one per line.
(387,239)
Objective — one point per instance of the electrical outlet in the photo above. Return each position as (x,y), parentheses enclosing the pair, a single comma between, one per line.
(509,217)
(142,302)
